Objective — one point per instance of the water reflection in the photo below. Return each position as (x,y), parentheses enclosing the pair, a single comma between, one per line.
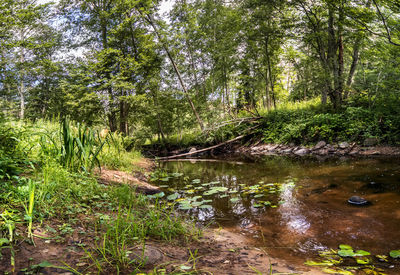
(310,214)
(291,211)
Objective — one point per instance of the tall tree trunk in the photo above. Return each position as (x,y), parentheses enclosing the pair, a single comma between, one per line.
(355,57)
(270,74)
(267,94)
(123,115)
(159,124)
(340,88)
(228,103)
(150,20)
(332,59)
(22,88)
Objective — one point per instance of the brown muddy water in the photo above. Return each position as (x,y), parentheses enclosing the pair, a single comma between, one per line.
(294,207)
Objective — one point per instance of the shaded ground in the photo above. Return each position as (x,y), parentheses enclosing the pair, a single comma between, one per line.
(218,252)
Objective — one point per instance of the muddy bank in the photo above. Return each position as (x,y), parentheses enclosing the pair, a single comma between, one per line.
(219,251)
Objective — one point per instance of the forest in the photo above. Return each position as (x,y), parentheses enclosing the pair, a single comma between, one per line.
(123,65)
(88,86)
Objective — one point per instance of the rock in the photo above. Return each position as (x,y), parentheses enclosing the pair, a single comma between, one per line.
(356,200)
(330,148)
(286,151)
(370,142)
(319,145)
(371,153)
(151,255)
(301,152)
(322,152)
(354,152)
(344,145)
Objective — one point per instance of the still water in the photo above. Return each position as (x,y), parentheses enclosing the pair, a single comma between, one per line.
(294,207)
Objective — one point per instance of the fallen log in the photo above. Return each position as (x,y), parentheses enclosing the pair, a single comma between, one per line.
(209,148)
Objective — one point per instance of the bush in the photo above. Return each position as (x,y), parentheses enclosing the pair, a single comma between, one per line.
(306,126)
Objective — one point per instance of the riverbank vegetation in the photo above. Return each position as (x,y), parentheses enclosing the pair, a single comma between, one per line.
(51,197)
(181,75)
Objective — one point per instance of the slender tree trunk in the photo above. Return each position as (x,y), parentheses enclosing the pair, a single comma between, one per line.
(271,78)
(354,63)
(333,59)
(22,88)
(185,91)
(123,116)
(157,107)
(228,103)
(340,88)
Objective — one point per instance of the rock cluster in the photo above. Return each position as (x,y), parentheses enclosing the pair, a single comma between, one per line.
(322,148)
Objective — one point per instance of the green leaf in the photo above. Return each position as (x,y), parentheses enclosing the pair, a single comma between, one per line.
(346,253)
(4,241)
(205,206)
(395,254)
(196,181)
(323,263)
(45,264)
(233,200)
(345,247)
(363,261)
(362,253)
(159,195)
(173,197)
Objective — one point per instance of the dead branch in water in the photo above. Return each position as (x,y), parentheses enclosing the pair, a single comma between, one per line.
(212,147)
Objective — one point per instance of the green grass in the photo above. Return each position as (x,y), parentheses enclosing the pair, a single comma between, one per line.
(46,182)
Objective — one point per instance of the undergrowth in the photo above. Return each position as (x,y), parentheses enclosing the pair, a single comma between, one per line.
(47,182)
(304,123)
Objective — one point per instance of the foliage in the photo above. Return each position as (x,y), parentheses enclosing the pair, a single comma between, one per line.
(310,125)
(54,190)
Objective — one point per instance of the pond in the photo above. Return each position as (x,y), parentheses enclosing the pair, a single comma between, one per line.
(294,208)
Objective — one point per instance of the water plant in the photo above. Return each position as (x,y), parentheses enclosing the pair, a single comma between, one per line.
(348,261)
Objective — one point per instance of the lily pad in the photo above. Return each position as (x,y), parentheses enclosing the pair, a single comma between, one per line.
(345,247)
(395,254)
(363,260)
(346,253)
(362,253)
(185,207)
(197,203)
(233,200)
(173,197)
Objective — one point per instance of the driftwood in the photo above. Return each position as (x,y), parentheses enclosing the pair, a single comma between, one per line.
(207,160)
(209,148)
